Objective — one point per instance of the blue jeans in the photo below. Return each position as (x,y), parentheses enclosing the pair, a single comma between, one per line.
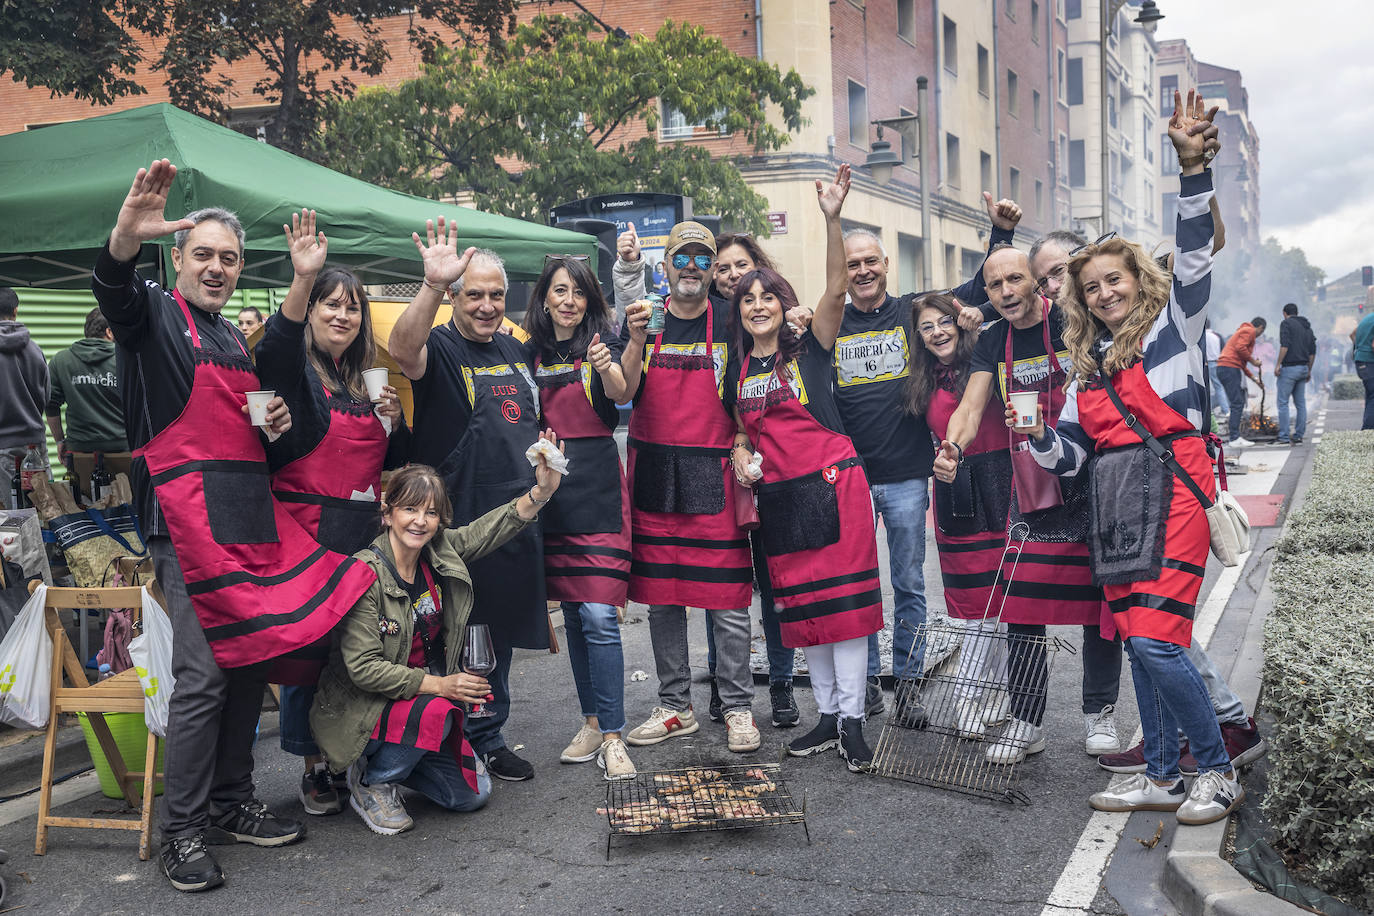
(1366,373)
(485,734)
(1171,696)
(435,774)
(780,658)
(1233,383)
(902,506)
(1219,399)
(1293,383)
(296,737)
(598,664)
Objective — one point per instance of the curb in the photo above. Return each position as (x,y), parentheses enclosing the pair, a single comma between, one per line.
(1197,879)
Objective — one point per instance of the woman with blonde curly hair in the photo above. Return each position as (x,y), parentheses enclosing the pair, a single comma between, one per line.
(1137,382)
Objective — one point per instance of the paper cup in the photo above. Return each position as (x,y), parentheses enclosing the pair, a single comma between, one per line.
(257,406)
(1023,402)
(375,379)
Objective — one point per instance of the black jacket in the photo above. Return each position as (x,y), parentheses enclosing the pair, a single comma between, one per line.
(1296,334)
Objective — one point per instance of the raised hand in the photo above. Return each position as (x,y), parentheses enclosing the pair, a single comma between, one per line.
(439,252)
(831,196)
(627,245)
(142,216)
(1005,213)
(308,248)
(1188,126)
(598,354)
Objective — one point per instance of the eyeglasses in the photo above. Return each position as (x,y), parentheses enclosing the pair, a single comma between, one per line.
(945,323)
(555,258)
(702,261)
(1056,273)
(1100,239)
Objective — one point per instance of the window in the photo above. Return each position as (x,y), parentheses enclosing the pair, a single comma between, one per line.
(908,154)
(1114,170)
(1039,199)
(972,261)
(1149,200)
(1168,85)
(1014,184)
(1035,22)
(1078,164)
(951,46)
(910,269)
(675,125)
(1035,106)
(951,160)
(1075,81)
(984,79)
(906,20)
(1147,138)
(1011,9)
(1073,9)
(1059,10)
(1013,94)
(952,262)
(1111,104)
(1063,159)
(1168,210)
(1168,157)
(858,115)
(985,170)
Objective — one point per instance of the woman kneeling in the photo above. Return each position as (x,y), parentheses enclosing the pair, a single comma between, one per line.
(389,704)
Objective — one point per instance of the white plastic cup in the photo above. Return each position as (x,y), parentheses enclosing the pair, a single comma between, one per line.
(257,406)
(375,379)
(1024,403)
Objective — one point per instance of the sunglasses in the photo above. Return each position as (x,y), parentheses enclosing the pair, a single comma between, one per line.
(1100,239)
(556,258)
(945,323)
(702,261)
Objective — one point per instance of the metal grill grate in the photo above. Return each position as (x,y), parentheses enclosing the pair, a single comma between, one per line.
(966,740)
(696,799)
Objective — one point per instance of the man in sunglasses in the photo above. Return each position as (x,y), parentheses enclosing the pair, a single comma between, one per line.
(688,549)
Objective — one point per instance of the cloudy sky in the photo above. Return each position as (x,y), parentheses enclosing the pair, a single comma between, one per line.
(1310,73)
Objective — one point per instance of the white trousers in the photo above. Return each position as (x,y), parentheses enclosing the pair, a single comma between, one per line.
(839,674)
(982,659)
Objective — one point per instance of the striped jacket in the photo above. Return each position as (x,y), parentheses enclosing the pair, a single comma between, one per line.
(1173,358)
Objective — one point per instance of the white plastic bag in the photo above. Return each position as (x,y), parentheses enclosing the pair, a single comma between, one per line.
(26,666)
(151,653)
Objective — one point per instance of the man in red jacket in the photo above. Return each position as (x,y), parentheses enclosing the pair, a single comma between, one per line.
(1239,351)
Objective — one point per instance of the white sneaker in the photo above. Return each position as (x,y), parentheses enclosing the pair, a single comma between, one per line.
(741,735)
(585,745)
(1212,797)
(661,725)
(1018,740)
(1140,793)
(1241,442)
(996,707)
(615,760)
(969,720)
(1101,732)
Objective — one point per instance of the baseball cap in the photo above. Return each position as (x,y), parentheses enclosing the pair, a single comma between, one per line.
(689,232)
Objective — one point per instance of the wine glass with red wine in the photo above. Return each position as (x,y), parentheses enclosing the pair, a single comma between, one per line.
(479,658)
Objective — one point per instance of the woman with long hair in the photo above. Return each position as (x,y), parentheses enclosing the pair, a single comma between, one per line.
(576,360)
(327,470)
(815,513)
(1135,406)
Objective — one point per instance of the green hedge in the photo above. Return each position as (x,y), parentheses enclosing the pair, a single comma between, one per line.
(1319,674)
(1347,388)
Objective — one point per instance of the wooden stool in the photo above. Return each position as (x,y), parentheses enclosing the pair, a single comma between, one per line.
(120,693)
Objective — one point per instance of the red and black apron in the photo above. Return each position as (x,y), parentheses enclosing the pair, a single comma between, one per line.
(687,548)
(488,468)
(260,585)
(1160,608)
(419,721)
(815,516)
(1053,579)
(587,524)
(318,490)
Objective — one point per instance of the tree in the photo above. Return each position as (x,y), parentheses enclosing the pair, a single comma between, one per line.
(563,113)
(1245,286)
(73,47)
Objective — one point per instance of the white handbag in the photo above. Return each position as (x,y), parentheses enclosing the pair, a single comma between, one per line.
(1229,527)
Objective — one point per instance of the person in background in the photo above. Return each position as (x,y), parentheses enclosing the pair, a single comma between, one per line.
(327,471)
(1363,339)
(1293,369)
(249,319)
(83,378)
(25,375)
(1221,404)
(1233,367)
(576,361)
(389,708)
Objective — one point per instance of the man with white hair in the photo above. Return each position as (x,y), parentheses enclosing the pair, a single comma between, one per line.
(476,412)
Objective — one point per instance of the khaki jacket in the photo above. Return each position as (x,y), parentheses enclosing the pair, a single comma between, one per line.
(368,667)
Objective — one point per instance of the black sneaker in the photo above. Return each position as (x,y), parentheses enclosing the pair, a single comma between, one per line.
(503,764)
(907,709)
(785,712)
(715,710)
(251,822)
(188,864)
(853,747)
(318,794)
(823,737)
(1297,440)
(873,698)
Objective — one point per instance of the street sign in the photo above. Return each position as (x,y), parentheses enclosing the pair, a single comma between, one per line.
(777,219)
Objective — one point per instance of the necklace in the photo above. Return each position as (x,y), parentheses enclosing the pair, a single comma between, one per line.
(766,360)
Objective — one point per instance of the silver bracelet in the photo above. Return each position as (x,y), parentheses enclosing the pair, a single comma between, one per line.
(536,500)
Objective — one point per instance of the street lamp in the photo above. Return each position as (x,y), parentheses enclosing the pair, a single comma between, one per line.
(881,159)
(1148,17)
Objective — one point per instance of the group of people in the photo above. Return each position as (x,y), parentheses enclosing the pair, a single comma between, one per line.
(766,439)
(1229,365)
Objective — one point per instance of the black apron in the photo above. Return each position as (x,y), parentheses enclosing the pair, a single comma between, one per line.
(488,468)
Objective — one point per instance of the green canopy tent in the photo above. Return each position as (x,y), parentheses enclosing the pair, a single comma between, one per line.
(61,188)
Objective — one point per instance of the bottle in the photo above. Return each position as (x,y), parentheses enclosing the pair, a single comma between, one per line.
(101,481)
(17,496)
(35,463)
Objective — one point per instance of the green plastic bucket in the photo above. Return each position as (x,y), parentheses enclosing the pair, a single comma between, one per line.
(131,737)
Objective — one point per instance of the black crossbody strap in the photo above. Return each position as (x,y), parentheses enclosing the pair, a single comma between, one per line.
(1157,448)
